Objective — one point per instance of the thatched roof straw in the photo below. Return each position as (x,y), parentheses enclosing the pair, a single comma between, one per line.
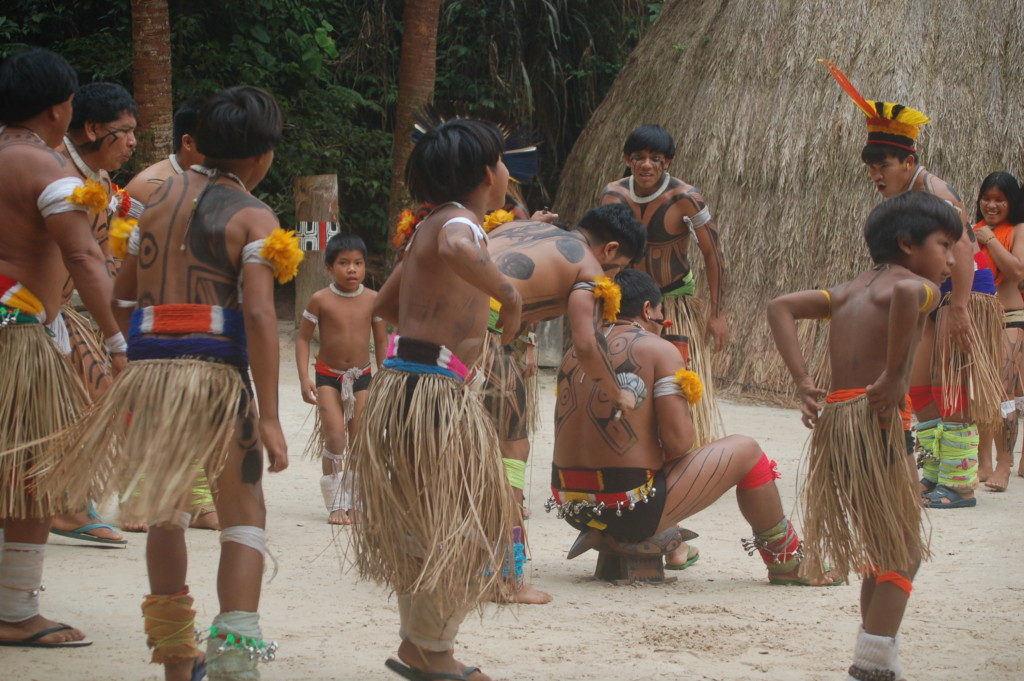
(774,144)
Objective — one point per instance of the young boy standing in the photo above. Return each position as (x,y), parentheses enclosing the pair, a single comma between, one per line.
(344,313)
(860,498)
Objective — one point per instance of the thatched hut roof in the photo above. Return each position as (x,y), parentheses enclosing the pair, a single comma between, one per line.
(774,144)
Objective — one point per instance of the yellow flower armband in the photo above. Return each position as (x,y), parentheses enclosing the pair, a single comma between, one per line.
(496,218)
(610,295)
(117,234)
(92,196)
(689,384)
(281,250)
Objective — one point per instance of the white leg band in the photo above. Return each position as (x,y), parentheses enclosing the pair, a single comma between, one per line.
(236,661)
(1008,407)
(875,653)
(246,535)
(330,487)
(21,574)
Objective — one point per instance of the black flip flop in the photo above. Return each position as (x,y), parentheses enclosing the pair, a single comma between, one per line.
(416,675)
(34,642)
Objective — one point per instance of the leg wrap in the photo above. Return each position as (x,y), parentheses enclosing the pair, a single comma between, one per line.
(779,547)
(235,647)
(330,487)
(21,574)
(927,442)
(170,627)
(958,456)
(515,471)
(895,578)
(875,659)
(246,535)
(763,472)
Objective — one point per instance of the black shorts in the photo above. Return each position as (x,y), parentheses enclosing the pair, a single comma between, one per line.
(631,526)
(361,383)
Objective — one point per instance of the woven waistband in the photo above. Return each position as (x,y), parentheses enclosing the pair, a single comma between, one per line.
(12,315)
(188,318)
(353,372)
(205,349)
(423,357)
(13,294)
(610,486)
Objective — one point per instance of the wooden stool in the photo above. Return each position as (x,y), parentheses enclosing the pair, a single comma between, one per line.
(621,563)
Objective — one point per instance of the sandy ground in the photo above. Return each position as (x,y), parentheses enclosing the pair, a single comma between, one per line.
(720,621)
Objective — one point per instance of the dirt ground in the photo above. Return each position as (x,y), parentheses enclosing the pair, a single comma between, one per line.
(720,621)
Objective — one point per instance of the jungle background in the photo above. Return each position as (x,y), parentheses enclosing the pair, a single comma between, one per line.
(333,66)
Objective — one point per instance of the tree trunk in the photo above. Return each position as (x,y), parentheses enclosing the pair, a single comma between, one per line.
(316,200)
(151,69)
(416,73)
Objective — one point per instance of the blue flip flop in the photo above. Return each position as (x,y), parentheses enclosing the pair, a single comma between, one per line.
(82,534)
(941,492)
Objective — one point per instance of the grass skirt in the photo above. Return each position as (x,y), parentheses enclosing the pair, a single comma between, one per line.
(437,508)
(40,395)
(978,371)
(510,397)
(689,316)
(860,505)
(161,423)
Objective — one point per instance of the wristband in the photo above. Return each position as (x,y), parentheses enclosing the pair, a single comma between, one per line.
(116,344)
(124,304)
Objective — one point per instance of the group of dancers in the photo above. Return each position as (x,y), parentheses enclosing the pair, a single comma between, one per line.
(173,402)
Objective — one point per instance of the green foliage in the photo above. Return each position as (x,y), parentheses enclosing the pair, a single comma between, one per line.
(333,64)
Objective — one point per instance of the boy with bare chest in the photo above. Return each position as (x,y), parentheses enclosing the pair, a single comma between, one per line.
(344,313)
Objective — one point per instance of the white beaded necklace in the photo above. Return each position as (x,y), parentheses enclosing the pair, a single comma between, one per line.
(173,158)
(213,174)
(345,294)
(82,166)
(647,199)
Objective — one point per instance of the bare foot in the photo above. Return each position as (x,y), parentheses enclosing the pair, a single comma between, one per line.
(205,521)
(135,527)
(70,522)
(339,517)
(999,480)
(984,473)
(798,577)
(20,631)
(1020,467)
(530,595)
(433,662)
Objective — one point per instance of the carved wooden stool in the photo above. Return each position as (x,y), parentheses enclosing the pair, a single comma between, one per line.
(621,563)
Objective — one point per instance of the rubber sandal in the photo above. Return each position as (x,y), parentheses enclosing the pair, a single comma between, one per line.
(928,485)
(416,675)
(82,534)
(955,500)
(692,556)
(198,670)
(34,642)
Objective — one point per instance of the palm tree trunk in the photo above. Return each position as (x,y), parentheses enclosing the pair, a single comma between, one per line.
(416,72)
(151,68)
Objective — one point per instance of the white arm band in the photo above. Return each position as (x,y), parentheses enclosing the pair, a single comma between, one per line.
(125,304)
(702,218)
(666,386)
(54,198)
(251,253)
(376,319)
(306,314)
(115,344)
(133,241)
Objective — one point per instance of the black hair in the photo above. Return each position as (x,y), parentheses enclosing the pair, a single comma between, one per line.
(239,122)
(449,160)
(185,120)
(342,242)
(100,103)
(638,288)
(875,152)
(911,216)
(650,137)
(32,81)
(615,222)
(1010,187)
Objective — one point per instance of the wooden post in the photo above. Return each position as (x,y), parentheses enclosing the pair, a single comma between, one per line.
(316,199)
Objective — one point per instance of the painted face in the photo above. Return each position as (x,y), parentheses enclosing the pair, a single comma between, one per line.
(117,141)
(647,168)
(995,207)
(891,176)
(932,259)
(348,270)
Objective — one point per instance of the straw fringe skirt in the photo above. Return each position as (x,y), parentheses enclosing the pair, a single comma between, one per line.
(40,395)
(978,371)
(689,316)
(149,436)
(860,505)
(437,508)
(509,396)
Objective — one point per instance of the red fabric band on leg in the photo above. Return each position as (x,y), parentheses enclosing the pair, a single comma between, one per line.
(897,579)
(762,472)
(921,396)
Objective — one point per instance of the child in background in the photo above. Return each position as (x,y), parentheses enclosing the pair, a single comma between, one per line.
(344,312)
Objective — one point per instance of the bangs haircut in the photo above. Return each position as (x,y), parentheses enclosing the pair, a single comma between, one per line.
(100,103)
(615,222)
(877,153)
(911,216)
(186,118)
(650,137)
(637,288)
(342,242)
(239,122)
(31,82)
(1010,187)
(449,160)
